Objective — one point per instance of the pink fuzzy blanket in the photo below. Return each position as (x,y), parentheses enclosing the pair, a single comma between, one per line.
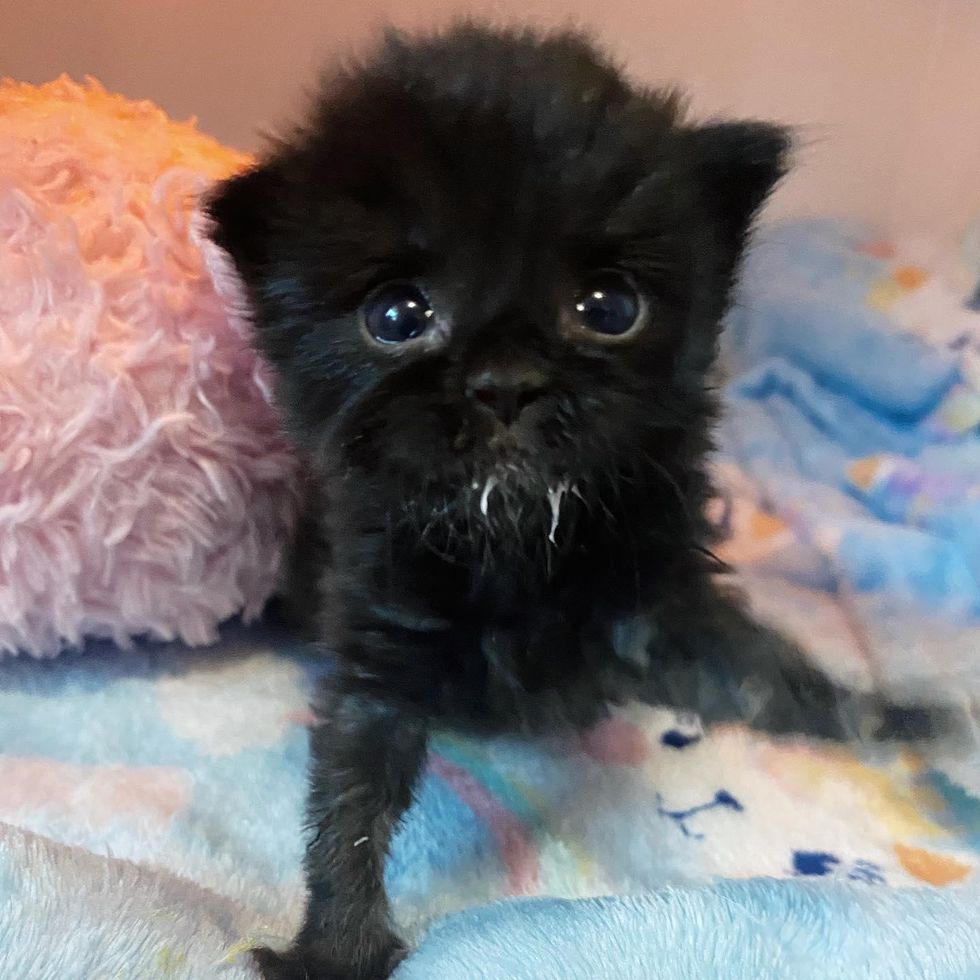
(144,483)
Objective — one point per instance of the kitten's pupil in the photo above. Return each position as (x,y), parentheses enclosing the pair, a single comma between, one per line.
(608,304)
(396,312)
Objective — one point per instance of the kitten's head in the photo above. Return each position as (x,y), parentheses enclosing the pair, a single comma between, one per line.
(487,261)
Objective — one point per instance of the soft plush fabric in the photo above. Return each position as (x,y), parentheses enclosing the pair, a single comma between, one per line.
(151,803)
(851,445)
(77,916)
(151,826)
(144,486)
(73,915)
(735,930)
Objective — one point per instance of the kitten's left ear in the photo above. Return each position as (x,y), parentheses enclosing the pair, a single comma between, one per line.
(240,210)
(737,165)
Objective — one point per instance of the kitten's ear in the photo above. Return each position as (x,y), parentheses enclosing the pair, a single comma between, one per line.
(241,211)
(737,165)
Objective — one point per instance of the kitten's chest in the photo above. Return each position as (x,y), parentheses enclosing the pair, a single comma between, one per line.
(537,674)
(534,658)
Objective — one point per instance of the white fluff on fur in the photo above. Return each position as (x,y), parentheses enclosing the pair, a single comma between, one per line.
(144,483)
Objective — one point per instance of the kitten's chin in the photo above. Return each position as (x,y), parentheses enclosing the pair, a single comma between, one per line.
(511,498)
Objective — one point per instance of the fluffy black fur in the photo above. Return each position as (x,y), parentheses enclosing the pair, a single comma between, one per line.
(497,169)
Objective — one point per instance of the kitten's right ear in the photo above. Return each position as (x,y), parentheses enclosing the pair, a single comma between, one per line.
(241,214)
(737,165)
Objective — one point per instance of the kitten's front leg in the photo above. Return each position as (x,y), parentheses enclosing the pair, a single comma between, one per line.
(367,756)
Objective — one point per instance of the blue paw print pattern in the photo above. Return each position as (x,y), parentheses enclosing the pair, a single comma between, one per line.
(821,863)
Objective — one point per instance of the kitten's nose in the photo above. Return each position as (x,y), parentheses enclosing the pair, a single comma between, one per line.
(507,391)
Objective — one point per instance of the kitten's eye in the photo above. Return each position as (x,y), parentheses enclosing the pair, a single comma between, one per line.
(396,312)
(607,304)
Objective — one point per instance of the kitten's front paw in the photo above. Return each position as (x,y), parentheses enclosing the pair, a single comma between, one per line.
(876,718)
(281,966)
(309,963)
(916,722)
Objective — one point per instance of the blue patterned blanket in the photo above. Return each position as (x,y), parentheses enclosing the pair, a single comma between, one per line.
(151,800)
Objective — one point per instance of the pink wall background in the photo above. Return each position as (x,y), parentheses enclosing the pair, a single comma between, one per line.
(887,91)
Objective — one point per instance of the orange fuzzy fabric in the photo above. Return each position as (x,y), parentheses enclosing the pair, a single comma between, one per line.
(145,486)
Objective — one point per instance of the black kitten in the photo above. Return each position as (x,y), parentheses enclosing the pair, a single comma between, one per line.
(489,274)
